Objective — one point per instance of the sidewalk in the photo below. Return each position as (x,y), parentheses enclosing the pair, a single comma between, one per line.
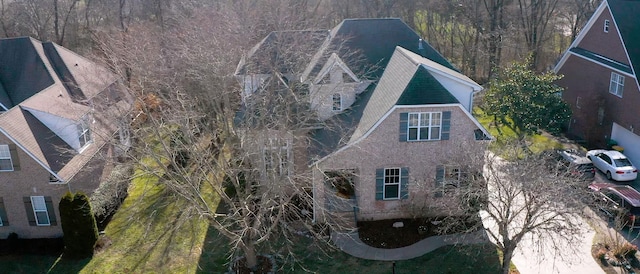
(350,243)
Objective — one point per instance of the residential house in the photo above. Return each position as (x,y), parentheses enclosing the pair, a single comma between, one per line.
(383,99)
(333,67)
(59,113)
(600,78)
(407,148)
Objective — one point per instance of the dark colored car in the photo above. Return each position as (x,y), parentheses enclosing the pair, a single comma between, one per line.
(578,164)
(618,200)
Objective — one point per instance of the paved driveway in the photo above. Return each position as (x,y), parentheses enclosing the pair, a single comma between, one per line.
(566,257)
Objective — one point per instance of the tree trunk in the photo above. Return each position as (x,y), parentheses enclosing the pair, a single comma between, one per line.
(506,259)
(250,255)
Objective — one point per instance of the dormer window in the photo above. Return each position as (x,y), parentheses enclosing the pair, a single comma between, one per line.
(84,131)
(337,102)
(606,26)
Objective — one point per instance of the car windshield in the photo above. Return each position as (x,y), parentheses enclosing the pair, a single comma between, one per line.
(622,162)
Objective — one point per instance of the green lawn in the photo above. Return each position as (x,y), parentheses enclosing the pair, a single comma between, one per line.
(152,232)
(503,135)
(477,259)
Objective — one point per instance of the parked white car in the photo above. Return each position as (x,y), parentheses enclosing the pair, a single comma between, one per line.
(613,164)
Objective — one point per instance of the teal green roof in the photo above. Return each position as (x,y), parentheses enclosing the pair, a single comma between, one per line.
(601,59)
(425,89)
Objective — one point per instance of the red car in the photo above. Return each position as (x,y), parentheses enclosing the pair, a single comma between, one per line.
(618,199)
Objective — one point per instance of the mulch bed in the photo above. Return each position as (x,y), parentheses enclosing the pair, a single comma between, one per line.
(382,234)
(49,246)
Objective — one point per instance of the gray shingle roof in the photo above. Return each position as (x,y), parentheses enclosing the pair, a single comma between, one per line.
(22,71)
(31,75)
(626,15)
(405,81)
(367,45)
(286,51)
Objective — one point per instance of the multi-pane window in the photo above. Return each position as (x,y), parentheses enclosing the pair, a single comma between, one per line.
(40,211)
(337,102)
(606,26)
(392,183)
(617,84)
(84,132)
(5,158)
(276,158)
(424,126)
(448,179)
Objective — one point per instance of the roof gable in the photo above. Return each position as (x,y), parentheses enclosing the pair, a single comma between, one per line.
(620,48)
(424,89)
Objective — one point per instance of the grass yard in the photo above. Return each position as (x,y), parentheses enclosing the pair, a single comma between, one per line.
(503,135)
(477,259)
(151,233)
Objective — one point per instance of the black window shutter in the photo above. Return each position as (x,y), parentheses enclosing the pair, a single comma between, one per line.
(29,209)
(52,214)
(380,184)
(439,180)
(446,125)
(404,183)
(3,213)
(404,125)
(14,157)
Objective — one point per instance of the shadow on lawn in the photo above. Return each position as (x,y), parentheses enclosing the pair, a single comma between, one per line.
(476,258)
(215,251)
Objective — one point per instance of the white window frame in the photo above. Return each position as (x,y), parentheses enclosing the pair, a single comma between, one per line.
(5,154)
(390,180)
(606,26)
(35,200)
(84,132)
(616,86)
(452,177)
(336,100)
(282,160)
(430,125)
(1,223)
(578,102)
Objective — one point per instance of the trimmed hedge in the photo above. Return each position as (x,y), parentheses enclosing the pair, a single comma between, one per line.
(78,225)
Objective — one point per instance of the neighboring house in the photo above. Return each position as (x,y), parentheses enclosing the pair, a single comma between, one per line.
(334,68)
(600,77)
(59,110)
(401,151)
(389,110)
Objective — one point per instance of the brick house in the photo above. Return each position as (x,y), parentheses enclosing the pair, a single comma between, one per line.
(362,77)
(401,151)
(59,113)
(600,80)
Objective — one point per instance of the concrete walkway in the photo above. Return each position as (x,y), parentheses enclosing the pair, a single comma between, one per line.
(350,243)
